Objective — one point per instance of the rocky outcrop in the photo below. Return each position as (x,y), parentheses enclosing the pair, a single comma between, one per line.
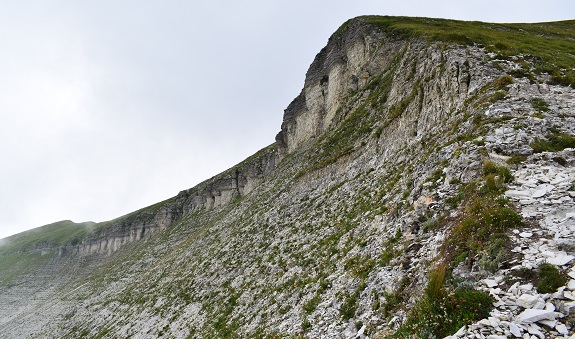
(216,192)
(232,184)
(428,81)
(351,58)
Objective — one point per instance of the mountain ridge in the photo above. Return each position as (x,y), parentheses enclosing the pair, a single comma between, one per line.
(326,232)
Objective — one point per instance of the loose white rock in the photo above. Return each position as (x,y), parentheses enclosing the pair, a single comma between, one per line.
(527,300)
(535,331)
(560,259)
(532,315)
(539,193)
(562,329)
(568,295)
(490,283)
(548,323)
(515,330)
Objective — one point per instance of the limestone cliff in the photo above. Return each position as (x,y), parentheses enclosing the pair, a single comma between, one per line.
(420,181)
(361,51)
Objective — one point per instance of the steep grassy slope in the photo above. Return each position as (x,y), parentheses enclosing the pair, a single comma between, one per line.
(386,177)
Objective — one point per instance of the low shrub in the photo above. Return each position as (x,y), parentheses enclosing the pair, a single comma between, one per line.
(464,306)
(556,141)
(563,79)
(311,304)
(481,229)
(349,305)
(485,220)
(516,159)
(490,167)
(550,279)
(495,253)
(497,96)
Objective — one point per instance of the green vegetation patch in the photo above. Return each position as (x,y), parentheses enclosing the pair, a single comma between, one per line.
(490,167)
(485,222)
(556,141)
(52,235)
(540,104)
(481,231)
(15,265)
(349,305)
(311,304)
(503,82)
(550,279)
(442,311)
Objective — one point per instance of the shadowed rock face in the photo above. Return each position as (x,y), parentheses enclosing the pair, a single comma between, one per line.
(331,231)
(346,64)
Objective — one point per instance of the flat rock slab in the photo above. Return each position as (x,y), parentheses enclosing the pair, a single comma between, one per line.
(527,300)
(560,260)
(562,329)
(515,330)
(531,315)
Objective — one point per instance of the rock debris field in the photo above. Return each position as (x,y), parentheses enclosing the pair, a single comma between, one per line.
(543,190)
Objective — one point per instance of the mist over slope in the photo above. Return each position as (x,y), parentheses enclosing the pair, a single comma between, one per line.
(423,180)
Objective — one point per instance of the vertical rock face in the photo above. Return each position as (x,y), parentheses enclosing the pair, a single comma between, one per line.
(437,80)
(232,184)
(348,61)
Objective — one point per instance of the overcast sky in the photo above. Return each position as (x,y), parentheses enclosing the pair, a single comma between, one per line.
(109,106)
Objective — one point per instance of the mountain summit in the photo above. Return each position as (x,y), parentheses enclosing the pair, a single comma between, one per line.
(422,185)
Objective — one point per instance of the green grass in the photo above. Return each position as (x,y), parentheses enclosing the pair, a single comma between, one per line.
(52,235)
(551,44)
(442,311)
(539,104)
(503,82)
(15,265)
(556,141)
(490,167)
(485,220)
(311,304)
(349,306)
(481,229)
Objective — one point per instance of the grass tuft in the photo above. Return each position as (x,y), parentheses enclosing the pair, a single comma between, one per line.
(556,141)
(550,279)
